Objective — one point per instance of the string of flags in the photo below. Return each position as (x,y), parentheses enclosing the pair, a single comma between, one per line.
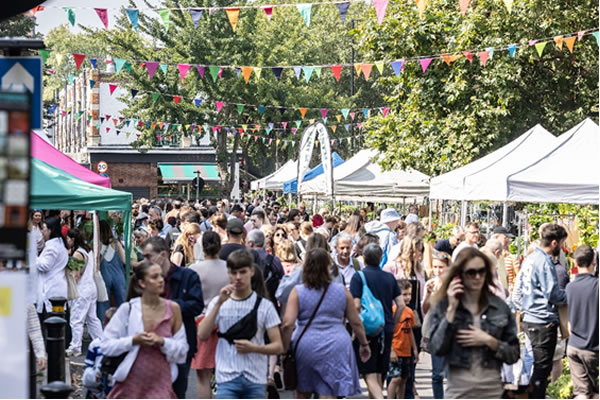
(364,68)
(232,12)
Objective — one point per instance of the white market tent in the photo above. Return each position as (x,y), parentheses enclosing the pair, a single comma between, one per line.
(362,178)
(451,185)
(569,173)
(275,181)
(490,182)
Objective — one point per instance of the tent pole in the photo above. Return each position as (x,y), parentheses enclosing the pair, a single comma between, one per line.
(519,239)
(463,213)
(404,206)
(505,214)
(430,214)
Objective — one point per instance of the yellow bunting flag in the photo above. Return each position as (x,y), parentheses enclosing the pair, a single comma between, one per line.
(559,41)
(339,117)
(246,72)
(421,4)
(257,72)
(570,41)
(508,4)
(357,68)
(233,14)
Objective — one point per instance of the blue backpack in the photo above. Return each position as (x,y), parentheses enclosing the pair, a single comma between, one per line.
(371,314)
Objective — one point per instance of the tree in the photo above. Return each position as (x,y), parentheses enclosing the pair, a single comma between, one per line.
(18,26)
(453,114)
(284,41)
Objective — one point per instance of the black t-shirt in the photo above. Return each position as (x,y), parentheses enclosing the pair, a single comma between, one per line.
(444,245)
(384,287)
(229,248)
(179,249)
(582,300)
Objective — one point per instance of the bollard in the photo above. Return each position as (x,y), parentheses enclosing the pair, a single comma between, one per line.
(56,390)
(58,306)
(32,372)
(55,346)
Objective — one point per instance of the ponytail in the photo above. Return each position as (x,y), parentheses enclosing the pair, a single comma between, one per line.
(139,273)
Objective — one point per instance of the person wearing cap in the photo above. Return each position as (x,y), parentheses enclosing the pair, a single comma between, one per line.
(385,229)
(508,266)
(235,238)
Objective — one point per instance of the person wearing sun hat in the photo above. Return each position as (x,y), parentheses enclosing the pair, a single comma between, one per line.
(385,230)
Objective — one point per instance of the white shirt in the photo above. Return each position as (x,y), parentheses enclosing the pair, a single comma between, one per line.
(458,249)
(86,285)
(52,281)
(347,271)
(118,339)
(229,363)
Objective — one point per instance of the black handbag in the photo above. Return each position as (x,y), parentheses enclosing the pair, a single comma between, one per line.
(109,364)
(290,377)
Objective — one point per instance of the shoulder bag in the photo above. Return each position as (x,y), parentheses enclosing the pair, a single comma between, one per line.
(290,378)
(109,364)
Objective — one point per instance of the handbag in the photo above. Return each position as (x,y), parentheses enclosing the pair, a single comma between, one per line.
(72,289)
(100,286)
(290,377)
(109,364)
(245,328)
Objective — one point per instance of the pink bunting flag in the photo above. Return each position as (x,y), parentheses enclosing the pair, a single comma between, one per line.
(183,70)
(580,35)
(200,69)
(468,55)
(380,6)
(284,124)
(385,111)
(352,115)
(107,130)
(103,14)
(220,72)
(532,42)
(176,99)
(464,5)
(425,63)
(151,66)
(220,105)
(324,112)
(483,56)
(112,87)
(268,11)
(255,138)
(359,125)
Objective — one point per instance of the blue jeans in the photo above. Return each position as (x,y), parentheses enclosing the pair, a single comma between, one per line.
(240,388)
(114,279)
(437,376)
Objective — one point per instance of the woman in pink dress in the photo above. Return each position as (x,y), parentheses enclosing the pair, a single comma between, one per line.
(150,330)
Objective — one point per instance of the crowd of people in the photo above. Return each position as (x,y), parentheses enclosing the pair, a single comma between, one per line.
(237,292)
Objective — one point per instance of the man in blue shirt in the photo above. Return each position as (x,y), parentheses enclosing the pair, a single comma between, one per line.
(541,296)
(384,287)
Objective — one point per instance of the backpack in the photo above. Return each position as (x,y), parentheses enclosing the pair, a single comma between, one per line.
(371,314)
(270,275)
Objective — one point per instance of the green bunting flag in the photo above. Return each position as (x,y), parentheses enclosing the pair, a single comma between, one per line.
(540,47)
(240,108)
(70,15)
(214,72)
(119,63)
(155,97)
(318,71)
(165,15)
(44,54)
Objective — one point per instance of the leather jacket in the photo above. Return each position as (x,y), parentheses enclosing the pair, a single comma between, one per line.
(496,319)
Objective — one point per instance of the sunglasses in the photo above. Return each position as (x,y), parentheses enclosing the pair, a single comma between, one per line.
(440,256)
(280,234)
(471,273)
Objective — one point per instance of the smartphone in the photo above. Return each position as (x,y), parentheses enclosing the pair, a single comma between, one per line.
(457,278)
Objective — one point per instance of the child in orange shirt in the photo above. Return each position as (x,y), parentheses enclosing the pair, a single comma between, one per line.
(402,344)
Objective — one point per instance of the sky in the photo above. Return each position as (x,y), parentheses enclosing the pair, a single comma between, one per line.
(54,14)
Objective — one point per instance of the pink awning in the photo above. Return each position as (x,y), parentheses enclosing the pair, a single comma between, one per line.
(44,151)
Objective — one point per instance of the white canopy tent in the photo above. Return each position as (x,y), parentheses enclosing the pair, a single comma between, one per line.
(451,185)
(490,182)
(569,173)
(275,181)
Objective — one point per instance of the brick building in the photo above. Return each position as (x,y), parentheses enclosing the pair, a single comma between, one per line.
(90,129)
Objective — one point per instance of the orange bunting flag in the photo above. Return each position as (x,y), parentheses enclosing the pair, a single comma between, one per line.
(247,71)
(333,128)
(450,58)
(570,41)
(153,125)
(312,121)
(366,70)
(559,41)
(233,14)
(421,4)
(303,111)
(464,5)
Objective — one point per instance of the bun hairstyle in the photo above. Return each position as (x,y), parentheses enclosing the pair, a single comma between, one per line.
(139,273)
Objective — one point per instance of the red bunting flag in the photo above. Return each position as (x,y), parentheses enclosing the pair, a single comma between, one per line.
(112,88)
(268,11)
(468,55)
(78,59)
(337,70)
(176,99)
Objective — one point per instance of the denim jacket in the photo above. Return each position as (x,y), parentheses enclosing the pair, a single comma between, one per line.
(496,319)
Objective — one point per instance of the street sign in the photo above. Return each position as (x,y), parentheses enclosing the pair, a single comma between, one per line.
(24,74)
(102,167)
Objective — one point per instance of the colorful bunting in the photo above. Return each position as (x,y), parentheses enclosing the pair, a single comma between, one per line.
(200,69)
(305,11)
(93,61)
(165,16)
(345,112)
(483,57)
(176,99)
(595,35)
(246,72)
(570,41)
(44,55)
(119,63)
(183,70)
(277,72)
(324,112)
(268,11)
(337,71)
(379,65)
(257,72)
(233,15)
(196,14)
(425,63)
(298,71)
(540,47)
(421,4)
(103,15)
(155,97)
(70,15)
(164,68)
(464,5)
(343,10)
(240,108)
(151,66)
(134,93)
(512,48)
(214,72)
(397,66)
(78,58)
(468,55)
(112,87)
(92,84)
(366,70)
(384,110)
(559,41)
(133,15)
(308,72)
(197,102)
(303,111)
(261,110)
(508,4)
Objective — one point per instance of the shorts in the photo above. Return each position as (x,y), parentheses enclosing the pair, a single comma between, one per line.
(205,355)
(380,355)
(400,368)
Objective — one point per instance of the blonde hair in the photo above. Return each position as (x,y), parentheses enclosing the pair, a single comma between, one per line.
(286,251)
(306,228)
(188,250)
(410,247)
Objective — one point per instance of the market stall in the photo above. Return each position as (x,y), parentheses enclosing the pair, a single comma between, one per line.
(276,180)
(291,186)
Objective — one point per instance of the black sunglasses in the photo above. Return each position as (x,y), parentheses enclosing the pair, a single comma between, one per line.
(471,273)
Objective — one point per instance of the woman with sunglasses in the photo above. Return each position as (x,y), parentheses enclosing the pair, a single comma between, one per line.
(279,235)
(472,328)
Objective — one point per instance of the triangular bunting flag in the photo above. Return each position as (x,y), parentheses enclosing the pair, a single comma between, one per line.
(345,112)
(78,59)
(347,127)
(196,14)
(176,99)
(71,79)
(397,66)
(357,68)
(324,112)
(257,72)
(103,15)
(44,55)
(240,108)
(93,61)
(338,117)
(464,5)
(268,12)
(540,48)
(333,128)
(308,72)
(133,15)
(164,67)
(134,93)
(128,67)
(119,63)
(303,111)
(298,71)
(151,66)
(200,69)
(570,41)
(468,55)
(165,16)
(246,72)
(352,116)
(305,10)
(380,6)
(384,110)
(155,97)
(318,71)
(277,72)
(425,63)
(508,4)
(294,130)
(101,120)
(379,65)
(36,9)
(92,84)
(491,51)
(282,111)
(197,102)
(366,112)
(214,72)
(298,123)
(261,110)
(337,71)
(421,4)
(284,125)
(483,57)
(233,14)
(112,88)
(219,105)
(512,48)
(70,15)
(366,70)
(183,70)
(343,9)
(559,41)
(595,35)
